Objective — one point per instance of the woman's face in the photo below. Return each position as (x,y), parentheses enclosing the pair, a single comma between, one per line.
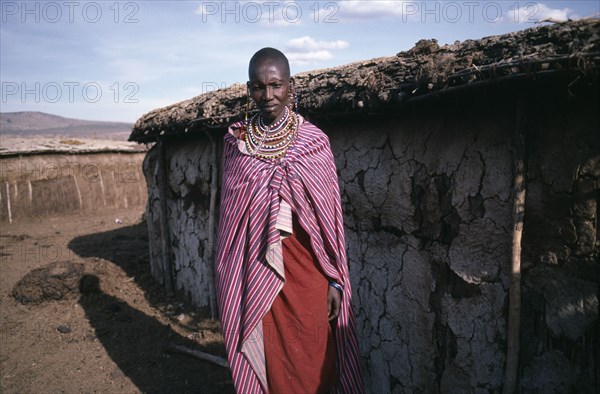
(269,88)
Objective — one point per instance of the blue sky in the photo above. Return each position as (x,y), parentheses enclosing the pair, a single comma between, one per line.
(116,60)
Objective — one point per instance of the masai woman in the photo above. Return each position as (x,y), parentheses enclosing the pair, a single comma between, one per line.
(281,271)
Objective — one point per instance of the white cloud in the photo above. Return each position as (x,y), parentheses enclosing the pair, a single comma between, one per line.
(535,12)
(306,50)
(308,58)
(308,43)
(375,9)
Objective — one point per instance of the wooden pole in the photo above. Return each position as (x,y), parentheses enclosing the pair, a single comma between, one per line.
(164,220)
(220,361)
(518,214)
(8,202)
(211,226)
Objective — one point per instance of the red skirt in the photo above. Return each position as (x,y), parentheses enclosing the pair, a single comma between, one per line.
(299,346)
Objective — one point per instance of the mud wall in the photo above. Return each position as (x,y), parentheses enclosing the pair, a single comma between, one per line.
(560,335)
(428,218)
(188,200)
(426,194)
(56,184)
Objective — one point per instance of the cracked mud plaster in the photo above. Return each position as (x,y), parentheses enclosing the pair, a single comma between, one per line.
(189,171)
(425,213)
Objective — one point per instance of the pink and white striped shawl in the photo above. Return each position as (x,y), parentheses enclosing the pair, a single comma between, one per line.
(249,267)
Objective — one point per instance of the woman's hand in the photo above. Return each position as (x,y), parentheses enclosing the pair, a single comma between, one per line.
(334,300)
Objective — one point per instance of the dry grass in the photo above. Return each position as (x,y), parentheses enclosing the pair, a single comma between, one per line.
(71,141)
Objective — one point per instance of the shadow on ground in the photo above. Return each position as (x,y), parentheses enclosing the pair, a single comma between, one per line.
(126,247)
(136,341)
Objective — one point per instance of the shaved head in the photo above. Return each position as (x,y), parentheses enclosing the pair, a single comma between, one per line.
(269,83)
(267,56)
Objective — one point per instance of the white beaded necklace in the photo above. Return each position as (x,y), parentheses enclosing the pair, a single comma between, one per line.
(271,142)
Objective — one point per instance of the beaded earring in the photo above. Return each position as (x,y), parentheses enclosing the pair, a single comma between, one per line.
(246,124)
(293,97)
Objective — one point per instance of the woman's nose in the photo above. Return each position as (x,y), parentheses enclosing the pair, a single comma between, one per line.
(268,95)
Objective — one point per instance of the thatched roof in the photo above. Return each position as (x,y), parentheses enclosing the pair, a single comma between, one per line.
(41,144)
(571,47)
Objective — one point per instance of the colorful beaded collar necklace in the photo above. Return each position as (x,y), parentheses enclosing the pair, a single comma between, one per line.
(271,142)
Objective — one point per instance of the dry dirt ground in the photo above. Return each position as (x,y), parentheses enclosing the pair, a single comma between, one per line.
(80,313)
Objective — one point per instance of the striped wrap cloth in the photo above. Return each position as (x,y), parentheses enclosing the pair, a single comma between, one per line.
(249,265)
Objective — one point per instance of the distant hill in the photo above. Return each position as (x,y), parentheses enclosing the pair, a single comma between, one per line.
(25,124)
